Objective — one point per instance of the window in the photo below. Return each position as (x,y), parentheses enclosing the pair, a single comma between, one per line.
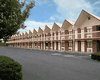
(56,33)
(89,44)
(66,31)
(98,28)
(62,32)
(42,35)
(35,44)
(89,18)
(79,30)
(53,34)
(49,34)
(46,44)
(63,44)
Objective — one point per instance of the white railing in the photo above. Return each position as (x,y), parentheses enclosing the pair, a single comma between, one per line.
(48,38)
(85,35)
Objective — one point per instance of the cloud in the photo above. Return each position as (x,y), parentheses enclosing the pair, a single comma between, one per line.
(66,9)
(97,3)
(70,9)
(35,25)
(52,18)
(96,7)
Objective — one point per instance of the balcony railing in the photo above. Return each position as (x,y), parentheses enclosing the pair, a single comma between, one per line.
(85,35)
(79,35)
(88,35)
(94,34)
(67,36)
(48,38)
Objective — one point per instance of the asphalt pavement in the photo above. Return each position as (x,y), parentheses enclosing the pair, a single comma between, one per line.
(46,65)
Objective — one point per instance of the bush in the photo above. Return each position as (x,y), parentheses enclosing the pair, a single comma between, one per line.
(10,69)
(95,56)
(2,44)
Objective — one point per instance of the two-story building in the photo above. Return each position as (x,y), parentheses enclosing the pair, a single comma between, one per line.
(83,35)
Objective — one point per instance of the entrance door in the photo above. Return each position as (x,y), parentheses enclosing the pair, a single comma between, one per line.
(42,45)
(79,46)
(98,45)
(66,45)
(53,45)
(56,45)
(49,45)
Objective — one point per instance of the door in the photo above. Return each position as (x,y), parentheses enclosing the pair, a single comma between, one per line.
(98,45)
(56,45)
(53,45)
(79,46)
(66,45)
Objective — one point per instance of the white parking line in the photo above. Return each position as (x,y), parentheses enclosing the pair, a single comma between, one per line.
(56,54)
(69,56)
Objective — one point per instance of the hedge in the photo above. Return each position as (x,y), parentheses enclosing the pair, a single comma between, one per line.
(10,69)
(2,44)
(95,56)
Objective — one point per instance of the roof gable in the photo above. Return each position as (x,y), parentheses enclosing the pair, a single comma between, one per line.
(47,29)
(66,24)
(83,16)
(34,32)
(30,32)
(40,31)
(55,27)
(22,33)
(26,33)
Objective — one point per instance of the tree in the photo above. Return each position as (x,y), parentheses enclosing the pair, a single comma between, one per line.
(13,13)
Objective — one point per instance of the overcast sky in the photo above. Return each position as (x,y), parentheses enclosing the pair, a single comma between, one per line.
(46,12)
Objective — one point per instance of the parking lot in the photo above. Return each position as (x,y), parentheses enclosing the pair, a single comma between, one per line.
(46,65)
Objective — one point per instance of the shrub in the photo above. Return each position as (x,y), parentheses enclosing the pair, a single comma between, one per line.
(95,56)
(2,44)
(10,69)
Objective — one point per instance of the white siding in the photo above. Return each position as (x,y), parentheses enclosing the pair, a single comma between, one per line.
(75,34)
(76,46)
(54,45)
(59,46)
(44,45)
(82,46)
(58,35)
(82,33)
(89,50)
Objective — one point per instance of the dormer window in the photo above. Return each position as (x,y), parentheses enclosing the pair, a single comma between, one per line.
(89,18)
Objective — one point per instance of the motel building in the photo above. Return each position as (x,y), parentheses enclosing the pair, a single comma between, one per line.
(80,36)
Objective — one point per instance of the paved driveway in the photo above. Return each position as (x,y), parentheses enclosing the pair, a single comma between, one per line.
(42,65)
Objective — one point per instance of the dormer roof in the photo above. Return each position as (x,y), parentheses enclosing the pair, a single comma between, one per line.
(40,31)
(26,33)
(34,32)
(55,27)
(47,29)
(66,24)
(30,32)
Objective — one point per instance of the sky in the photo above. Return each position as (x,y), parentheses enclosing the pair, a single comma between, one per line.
(46,12)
